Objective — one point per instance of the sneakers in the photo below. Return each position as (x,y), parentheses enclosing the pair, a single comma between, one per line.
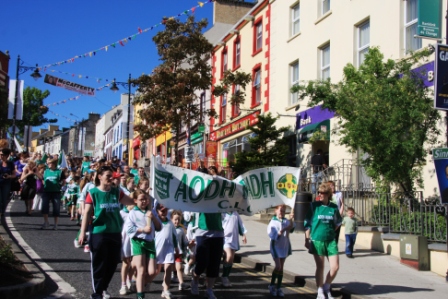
(321,296)
(209,294)
(187,269)
(124,290)
(76,243)
(194,288)
(183,286)
(55,227)
(86,248)
(46,225)
(225,282)
(272,290)
(280,293)
(106,295)
(166,294)
(328,295)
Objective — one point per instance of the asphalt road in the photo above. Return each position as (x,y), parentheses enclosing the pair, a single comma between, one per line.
(55,252)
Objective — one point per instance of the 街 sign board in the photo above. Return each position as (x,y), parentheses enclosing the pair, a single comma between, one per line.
(253,191)
(429,18)
(85,90)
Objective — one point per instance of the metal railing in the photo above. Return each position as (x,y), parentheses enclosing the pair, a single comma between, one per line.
(399,213)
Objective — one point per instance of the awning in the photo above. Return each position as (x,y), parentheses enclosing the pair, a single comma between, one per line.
(307,132)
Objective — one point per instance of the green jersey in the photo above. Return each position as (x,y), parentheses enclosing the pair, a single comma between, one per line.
(52,180)
(85,166)
(323,220)
(106,206)
(210,221)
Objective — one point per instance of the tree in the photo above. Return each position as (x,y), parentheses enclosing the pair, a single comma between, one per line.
(33,108)
(268,147)
(170,94)
(385,110)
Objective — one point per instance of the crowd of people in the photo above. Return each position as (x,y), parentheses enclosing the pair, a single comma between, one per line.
(120,222)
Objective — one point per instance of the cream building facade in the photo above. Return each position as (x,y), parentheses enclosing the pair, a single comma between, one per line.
(313,40)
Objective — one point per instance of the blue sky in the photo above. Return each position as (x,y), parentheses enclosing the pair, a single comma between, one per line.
(50,31)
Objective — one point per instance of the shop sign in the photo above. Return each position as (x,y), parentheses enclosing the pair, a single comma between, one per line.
(201,128)
(235,127)
(211,149)
(312,116)
(429,15)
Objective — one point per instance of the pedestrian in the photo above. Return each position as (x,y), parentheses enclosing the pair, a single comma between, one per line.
(143,185)
(37,202)
(209,236)
(233,226)
(140,175)
(28,180)
(318,164)
(182,243)
(103,203)
(321,221)
(190,219)
(351,229)
(278,231)
(87,183)
(72,194)
(337,199)
(7,174)
(53,179)
(127,282)
(166,248)
(141,225)
(85,165)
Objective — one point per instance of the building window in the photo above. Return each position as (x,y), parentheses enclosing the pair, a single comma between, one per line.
(256,87)
(237,54)
(224,60)
(363,41)
(325,62)
(236,106)
(258,36)
(410,26)
(295,19)
(294,80)
(326,6)
(222,115)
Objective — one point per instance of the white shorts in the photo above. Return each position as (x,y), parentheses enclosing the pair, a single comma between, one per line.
(165,259)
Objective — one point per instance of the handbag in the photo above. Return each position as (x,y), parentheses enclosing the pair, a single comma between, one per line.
(15,185)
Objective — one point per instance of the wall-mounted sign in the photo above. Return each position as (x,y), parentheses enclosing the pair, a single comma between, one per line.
(235,127)
(441,75)
(429,15)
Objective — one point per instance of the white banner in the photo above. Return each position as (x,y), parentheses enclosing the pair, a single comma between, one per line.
(189,190)
(12,95)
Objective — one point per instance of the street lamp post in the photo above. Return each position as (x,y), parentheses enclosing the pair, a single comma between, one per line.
(20,70)
(114,88)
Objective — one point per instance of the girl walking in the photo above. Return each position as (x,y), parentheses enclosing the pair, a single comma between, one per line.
(278,231)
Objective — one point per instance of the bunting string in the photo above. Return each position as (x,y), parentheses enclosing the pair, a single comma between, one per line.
(122,42)
(67,118)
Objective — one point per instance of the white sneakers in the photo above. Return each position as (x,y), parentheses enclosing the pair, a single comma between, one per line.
(166,294)
(106,295)
(124,290)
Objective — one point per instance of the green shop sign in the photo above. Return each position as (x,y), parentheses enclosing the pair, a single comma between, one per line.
(429,18)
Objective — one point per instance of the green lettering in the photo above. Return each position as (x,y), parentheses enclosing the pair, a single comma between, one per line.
(227,185)
(212,190)
(182,189)
(191,191)
(255,186)
(246,186)
(267,183)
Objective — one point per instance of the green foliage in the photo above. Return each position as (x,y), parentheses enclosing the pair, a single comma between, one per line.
(232,79)
(268,147)
(33,108)
(6,254)
(433,226)
(170,94)
(384,110)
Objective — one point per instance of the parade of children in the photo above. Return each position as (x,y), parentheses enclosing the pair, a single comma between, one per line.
(121,222)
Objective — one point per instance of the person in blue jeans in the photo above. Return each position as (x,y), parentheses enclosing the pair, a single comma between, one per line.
(350,231)
(7,173)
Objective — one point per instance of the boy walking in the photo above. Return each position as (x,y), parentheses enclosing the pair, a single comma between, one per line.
(350,231)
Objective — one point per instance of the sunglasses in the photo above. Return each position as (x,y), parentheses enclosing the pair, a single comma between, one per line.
(320,192)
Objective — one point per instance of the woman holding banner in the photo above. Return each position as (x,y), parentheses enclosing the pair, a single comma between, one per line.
(209,243)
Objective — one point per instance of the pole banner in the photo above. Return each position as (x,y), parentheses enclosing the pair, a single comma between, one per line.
(440,156)
(89,91)
(255,190)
